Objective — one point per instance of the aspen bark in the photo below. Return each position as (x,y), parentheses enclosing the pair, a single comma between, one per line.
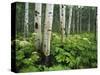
(95,19)
(48,29)
(70,20)
(78,19)
(26,20)
(73,22)
(62,22)
(37,25)
(89,20)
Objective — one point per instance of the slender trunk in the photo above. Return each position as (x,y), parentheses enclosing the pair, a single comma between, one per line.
(78,19)
(73,21)
(26,21)
(70,20)
(62,22)
(48,29)
(89,21)
(95,20)
(37,25)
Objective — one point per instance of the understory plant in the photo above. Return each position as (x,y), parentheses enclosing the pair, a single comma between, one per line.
(77,52)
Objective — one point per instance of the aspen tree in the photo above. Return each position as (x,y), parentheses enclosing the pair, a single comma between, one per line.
(37,25)
(73,21)
(62,22)
(26,20)
(78,19)
(70,20)
(94,9)
(48,29)
(89,20)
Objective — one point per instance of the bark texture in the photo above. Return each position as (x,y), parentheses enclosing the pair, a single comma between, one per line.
(48,29)
(26,20)
(37,25)
(62,21)
(70,20)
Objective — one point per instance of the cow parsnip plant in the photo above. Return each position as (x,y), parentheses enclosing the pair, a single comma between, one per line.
(26,55)
(78,51)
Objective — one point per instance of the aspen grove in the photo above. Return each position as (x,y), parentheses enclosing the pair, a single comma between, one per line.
(52,37)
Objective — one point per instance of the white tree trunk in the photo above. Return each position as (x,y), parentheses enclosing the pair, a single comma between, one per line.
(70,20)
(26,20)
(62,22)
(80,13)
(48,29)
(94,18)
(37,25)
(78,19)
(73,19)
(89,21)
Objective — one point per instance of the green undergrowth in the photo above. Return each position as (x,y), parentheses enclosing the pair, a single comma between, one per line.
(78,51)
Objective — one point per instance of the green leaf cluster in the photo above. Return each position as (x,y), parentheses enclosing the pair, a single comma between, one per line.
(77,52)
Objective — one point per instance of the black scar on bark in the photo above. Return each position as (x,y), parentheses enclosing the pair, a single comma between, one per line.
(62,6)
(50,12)
(44,45)
(36,12)
(36,25)
(62,14)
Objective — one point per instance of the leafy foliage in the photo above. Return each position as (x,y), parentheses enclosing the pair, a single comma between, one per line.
(78,51)
(26,55)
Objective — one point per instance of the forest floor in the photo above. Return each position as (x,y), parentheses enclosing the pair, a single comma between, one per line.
(79,51)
